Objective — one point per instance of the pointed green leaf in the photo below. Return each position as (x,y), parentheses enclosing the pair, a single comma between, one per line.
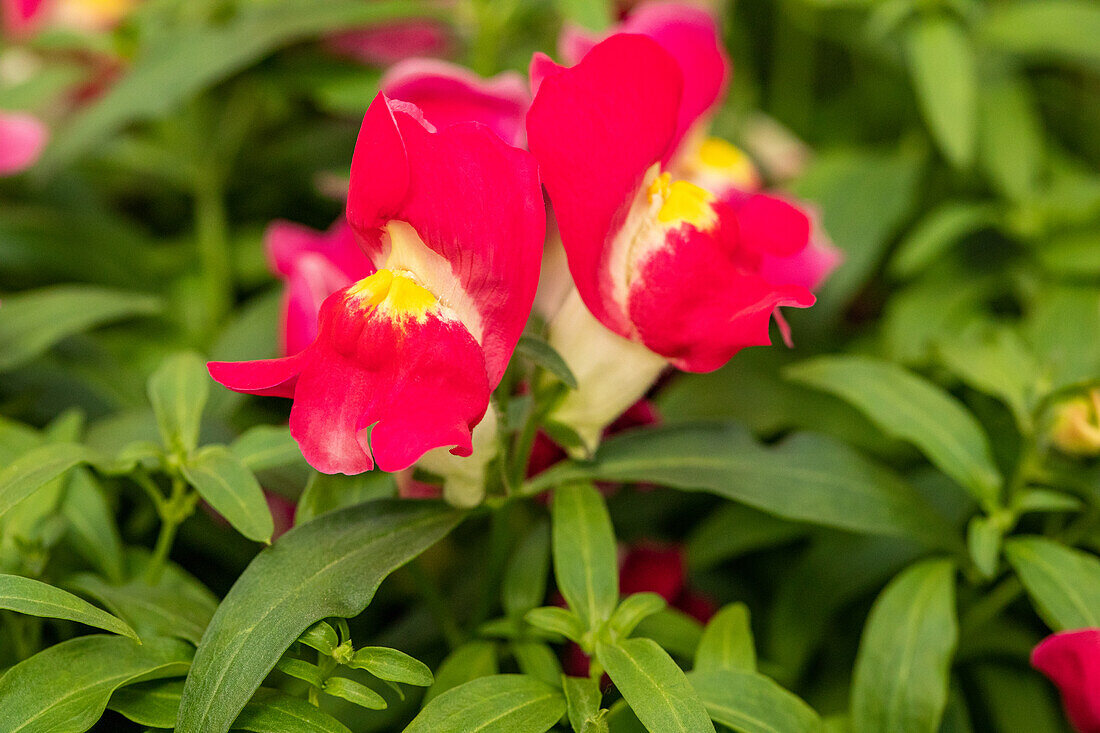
(937,232)
(272,711)
(327,492)
(654,687)
(34,321)
(220,478)
(1059,30)
(1063,583)
(582,702)
(468,662)
(35,598)
(634,609)
(902,671)
(752,703)
(328,567)
(544,355)
(65,688)
(536,659)
(265,447)
(301,670)
(727,642)
(34,469)
(392,665)
(942,66)
(153,704)
(178,391)
(92,530)
(524,585)
(557,621)
(585,563)
(983,540)
(354,692)
(913,409)
(676,632)
(507,703)
(321,637)
(1011,145)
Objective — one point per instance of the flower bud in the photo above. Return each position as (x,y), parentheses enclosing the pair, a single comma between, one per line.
(1076,427)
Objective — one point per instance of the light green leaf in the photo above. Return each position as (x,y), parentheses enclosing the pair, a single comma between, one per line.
(272,711)
(468,662)
(35,598)
(1058,30)
(265,447)
(913,409)
(321,637)
(220,478)
(536,659)
(392,665)
(92,528)
(902,670)
(674,630)
(654,687)
(1063,583)
(32,322)
(593,15)
(995,360)
(807,477)
(301,670)
(943,69)
(543,354)
(178,391)
(939,230)
(328,492)
(1011,145)
(983,540)
(507,703)
(727,642)
(582,702)
(354,692)
(557,621)
(733,530)
(752,703)
(634,609)
(585,563)
(153,704)
(65,688)
(34,469)
(330,566)
(524,585)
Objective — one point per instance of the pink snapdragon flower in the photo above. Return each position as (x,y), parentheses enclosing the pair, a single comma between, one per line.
(22,138)
(405,359)
(661,263)
(1071,660)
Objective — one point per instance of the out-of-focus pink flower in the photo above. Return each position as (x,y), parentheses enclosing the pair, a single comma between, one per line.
(22,138)
(448,94)
(405,359)
(387,44)
(650,567)
(22,17)
(1071,660)
(314,265)
(282,513)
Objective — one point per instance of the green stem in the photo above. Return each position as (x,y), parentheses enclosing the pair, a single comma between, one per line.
(213,248)
(171,516)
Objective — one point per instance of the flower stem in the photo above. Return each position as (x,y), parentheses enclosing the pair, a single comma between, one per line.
(172,514)
(213,248)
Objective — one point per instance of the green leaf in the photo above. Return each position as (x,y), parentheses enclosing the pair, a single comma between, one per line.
(674,630)
(330,566)
(557,621)
(751,703)
(524,585)
(807,477)
(1045,500)
(178,391)
(939,230)
(536,659)
(507,703)
(983,540)
(354,692)
(1058,30)
(470,661)
(913,409)
(92,529)
(34,321)
(634,609)
(65,688)
(301,670)
(34,469)
(1063,583)
(733,530)
(272,711)
(585,564)
(654,687)
(727,642)
(220,478)
(177,606)
(329,492)
(996,361)
(1011,147)
(392,665)
(582,703)
(943,69)
(265,447)
(902,670)
(184,60)
(594,15)
(321,637)
(152,704)
(35,598)
(542,353)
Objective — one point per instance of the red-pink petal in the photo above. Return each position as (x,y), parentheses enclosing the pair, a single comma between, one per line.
(266,377)
(311,281)
(595,130)
(1072,662)
(471,198)
(448,94)
(22,138)
(653,568)
(770,225)
(20,15)
(697,302)
(690,35)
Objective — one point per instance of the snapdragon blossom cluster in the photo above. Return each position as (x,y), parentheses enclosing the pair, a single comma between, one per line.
(652,247)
